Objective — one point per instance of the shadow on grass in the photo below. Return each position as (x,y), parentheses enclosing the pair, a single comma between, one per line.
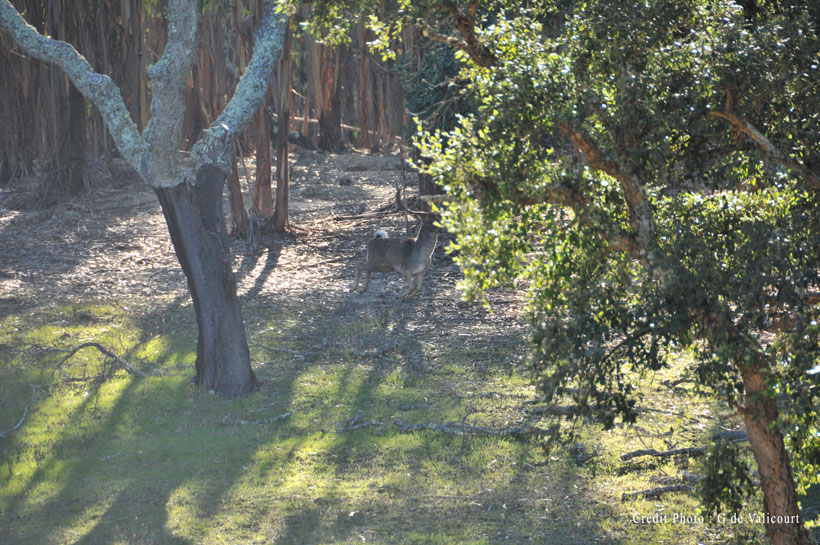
(107,470)
(152,460)
(424,487)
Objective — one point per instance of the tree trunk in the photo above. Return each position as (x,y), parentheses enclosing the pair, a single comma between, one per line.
(239,213)
(364,126)
(280,215)
(314,65)
(330,118)
(784,524)
(262,192)
(197,228)
(427,185)
(381,106)
(76,140)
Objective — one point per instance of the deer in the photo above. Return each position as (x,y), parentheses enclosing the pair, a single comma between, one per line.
(410,256)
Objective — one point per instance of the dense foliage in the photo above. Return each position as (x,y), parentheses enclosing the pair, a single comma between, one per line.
(583,100)
(649,171)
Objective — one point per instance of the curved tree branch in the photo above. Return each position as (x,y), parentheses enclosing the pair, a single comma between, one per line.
(168,76)
(464,23)
(642,245)
(216,143)
(768,147)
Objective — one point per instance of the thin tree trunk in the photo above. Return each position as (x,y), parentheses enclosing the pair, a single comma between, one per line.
(305,117)
(197,228)
(280,216)
(381,106)
(330,118)
(364,129)
(314,76)
(262,192)
(427,185)
(239,212)
(76,140)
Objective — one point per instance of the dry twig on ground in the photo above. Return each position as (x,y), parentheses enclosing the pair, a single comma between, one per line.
(25,412)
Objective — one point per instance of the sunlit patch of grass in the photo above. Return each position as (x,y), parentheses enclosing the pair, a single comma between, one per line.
(133,459)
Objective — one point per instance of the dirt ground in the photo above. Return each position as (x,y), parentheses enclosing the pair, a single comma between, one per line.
(112,244)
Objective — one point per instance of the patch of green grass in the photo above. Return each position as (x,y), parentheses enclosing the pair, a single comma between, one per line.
(153,460)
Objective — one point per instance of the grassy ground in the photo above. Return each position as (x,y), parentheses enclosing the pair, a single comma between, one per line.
(92,454)
(135,459)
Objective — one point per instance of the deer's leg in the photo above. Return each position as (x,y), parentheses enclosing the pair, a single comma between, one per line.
(416,285)
(366,282)
(409,279)
(358,274)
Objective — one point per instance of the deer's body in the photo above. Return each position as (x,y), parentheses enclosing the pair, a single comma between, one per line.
(410,256)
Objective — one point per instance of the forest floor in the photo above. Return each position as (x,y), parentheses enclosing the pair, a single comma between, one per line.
(377,421)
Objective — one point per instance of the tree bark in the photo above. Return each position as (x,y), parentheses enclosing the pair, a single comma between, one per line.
(197,227)
(766,441)
(364,126)
(76,140)
(330,118)
(239,213)
(280,215)
(262,192)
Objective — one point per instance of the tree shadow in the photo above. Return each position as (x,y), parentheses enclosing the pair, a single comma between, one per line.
(271,247)
(414,509)
(115,480)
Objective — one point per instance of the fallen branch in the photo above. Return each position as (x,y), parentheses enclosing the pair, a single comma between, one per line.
(675,383)
(354,424)
(25,412)
(655,493)
(266,420)
(467,429)
(367,215)
(687,451)
(120,363)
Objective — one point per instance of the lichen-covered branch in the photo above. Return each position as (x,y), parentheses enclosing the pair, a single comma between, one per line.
(97,88)
(168,75)
(215,145)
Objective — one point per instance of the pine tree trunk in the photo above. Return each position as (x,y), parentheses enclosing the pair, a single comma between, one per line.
(197,228)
